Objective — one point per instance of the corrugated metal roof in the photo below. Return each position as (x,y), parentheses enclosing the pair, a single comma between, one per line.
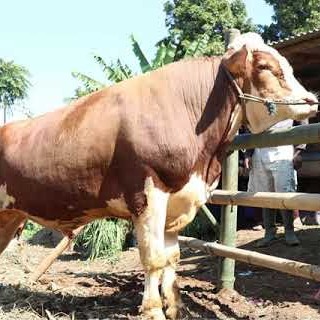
(300,37)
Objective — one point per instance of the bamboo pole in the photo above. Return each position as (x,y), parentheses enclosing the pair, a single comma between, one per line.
(292,267)
(55,253)
(47,262)
(228,226)
(296,135)
(206,212)
(279,200)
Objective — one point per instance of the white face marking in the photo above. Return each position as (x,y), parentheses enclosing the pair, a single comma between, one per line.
(250,39)
(254,42)
(259,119)
(298,92)
(257,115)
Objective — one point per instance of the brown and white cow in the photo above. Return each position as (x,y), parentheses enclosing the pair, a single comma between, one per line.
(149,149)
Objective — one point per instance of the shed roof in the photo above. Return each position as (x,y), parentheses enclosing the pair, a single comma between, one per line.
(296,39)
(303,53)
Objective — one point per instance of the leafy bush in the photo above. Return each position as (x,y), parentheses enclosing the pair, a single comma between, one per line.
(30,229)
(200,228)
(104,238)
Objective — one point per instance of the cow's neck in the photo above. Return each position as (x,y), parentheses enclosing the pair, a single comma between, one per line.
(219,118)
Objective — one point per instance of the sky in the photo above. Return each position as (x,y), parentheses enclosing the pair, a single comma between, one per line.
(53,38)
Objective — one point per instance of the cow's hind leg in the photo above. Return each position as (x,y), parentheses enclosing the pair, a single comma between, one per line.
(150,234)
(170,291)
(10,220)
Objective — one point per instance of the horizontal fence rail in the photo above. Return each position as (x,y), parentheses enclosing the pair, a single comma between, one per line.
(292,267)
(296,135)
(276,200)
(304,134)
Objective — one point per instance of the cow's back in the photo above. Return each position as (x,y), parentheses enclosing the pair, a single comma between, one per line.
(58,161)
(103,146)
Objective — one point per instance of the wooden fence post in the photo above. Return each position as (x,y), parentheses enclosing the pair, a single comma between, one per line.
(228,226)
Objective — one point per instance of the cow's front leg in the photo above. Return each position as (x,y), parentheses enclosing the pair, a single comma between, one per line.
(10,221)
(181,211)
(170,290)
(150,234)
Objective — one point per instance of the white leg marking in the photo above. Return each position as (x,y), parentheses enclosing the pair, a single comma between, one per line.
(150,233)
(170,290)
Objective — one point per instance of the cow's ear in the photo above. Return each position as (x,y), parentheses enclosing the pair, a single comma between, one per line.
(236,60)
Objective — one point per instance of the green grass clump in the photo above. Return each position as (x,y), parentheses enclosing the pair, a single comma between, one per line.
(104,238)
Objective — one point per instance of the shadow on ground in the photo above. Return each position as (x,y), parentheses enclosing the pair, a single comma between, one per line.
(74,290)
(261,285)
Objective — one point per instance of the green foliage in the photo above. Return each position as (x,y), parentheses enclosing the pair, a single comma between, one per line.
(30,229)
(198,47)
(292,17)
(143,61)
(118,71)
(14,84)
(115,72)
(188,20)
(90,84)
(104,238)
(200,228)
(165,54)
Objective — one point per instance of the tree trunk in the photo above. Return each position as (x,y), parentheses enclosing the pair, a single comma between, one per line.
(4,114)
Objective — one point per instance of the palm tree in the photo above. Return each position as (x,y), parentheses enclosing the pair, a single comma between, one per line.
(108,237)
(14,84)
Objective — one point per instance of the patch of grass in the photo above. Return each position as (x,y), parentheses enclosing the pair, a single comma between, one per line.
(30,229)
(104,238)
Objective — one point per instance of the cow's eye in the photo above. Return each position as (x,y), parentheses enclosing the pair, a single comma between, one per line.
(263,67)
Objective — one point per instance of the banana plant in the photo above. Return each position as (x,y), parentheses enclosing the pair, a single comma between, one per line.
(119,71)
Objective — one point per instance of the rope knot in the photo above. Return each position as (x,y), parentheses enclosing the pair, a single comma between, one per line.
(271,106)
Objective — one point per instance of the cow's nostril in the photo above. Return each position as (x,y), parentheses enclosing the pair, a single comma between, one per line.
(310,101)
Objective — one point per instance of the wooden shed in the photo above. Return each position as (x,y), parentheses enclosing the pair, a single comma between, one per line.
(303,53)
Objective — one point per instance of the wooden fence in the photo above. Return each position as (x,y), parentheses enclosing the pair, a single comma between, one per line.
(232,198)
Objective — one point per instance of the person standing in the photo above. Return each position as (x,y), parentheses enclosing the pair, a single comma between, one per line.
(273,169)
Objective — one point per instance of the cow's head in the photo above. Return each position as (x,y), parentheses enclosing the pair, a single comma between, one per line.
(261,71)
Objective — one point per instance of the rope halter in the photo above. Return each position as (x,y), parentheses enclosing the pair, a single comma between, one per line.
(270,104)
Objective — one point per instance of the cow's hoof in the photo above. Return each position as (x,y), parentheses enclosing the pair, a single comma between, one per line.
(172,313)
(154,314)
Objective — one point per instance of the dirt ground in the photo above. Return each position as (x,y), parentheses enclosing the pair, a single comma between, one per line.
(76,289)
